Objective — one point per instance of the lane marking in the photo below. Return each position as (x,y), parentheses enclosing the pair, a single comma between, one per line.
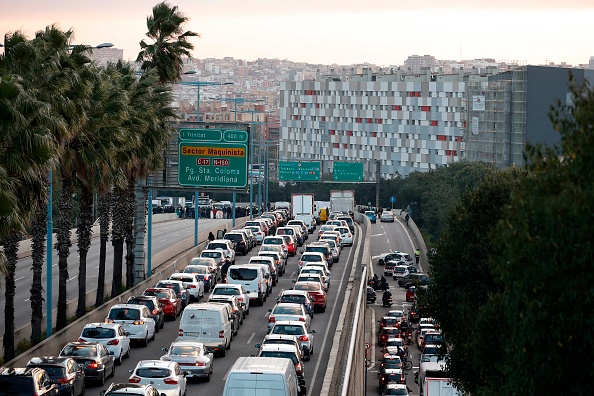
(74,277)
(18,279)
(372,343)
(250,339)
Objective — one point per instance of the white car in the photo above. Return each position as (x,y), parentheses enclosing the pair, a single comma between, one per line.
(112,335)
(191,282)
(317,269)
(311,257)
(299,329)
(400,271)
(136,319)
(258,233)
(166,376)
(346,234)
(288,311)
(192,356)
(333,245)
(225,245)
(234,289)
(336,234)
(387,216)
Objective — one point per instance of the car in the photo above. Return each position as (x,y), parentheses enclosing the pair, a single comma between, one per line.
(291,244)
(136,319)
(387,216)
(277,240)
(166,376)
(320,247)
(319,270)
(316,291)
(93,358)
(371,295)
(169,300)
(398,271)
(225,245)
(305,229)
(391,389)
(278,260)
(432,338)
(241,244)
(192,357)
(260,223)
(236,310)
(334,246)
(234,289)
(388,361)
(284,351)
(391,376)
(269,261)
(393,345)
(258,232)
(388,321)
(63,370)
(281,339)
(349,220)
(371,216)
(179,289)
(249,236)
(26,381)
(275,248)
(387,332)
(326,227)
(112,335)
(130,390)
(203,272)
(153,305)
(420,335)
(213,259)
(298,296)
(191,282)
(295,232)
(333,234)
(299,329)
(411,294)
(288,311)
(395,257)
(311,257)
(311,277)
(414,279)
(397,313)
(346,234)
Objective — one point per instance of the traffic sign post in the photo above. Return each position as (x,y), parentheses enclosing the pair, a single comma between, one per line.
(392,200)
(299,170)
(213,158)
(348,171)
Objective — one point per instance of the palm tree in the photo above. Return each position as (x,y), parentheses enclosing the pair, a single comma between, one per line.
(171,43)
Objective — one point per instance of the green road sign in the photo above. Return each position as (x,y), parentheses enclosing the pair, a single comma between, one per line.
(213,158)
(299,170)
(348,171)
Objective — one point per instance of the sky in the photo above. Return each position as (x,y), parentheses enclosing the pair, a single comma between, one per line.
(380,32)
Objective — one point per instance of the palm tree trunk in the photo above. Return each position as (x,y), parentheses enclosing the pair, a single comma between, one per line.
(37,252)
(117,239)
(104,217)
(129,231)
(84,231)
(63,244)
(11,246)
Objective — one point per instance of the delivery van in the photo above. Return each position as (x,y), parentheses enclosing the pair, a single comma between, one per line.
(253,279)
(263,376)
(208,323)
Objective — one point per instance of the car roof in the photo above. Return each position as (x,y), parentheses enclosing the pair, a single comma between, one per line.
(102,324)
(290,323)
(187,343)
(129,306)
(155,363)
(294,292)
(127,388)
(48,360)
(280,347)
(287,304)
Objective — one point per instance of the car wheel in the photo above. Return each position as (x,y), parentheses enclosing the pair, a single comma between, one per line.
(145,342)
(207,379)
(324,308)
(127,355)
(223,352)
(381,262)
(113,372)
(247,312)
(228,346)
(118,361)
(162,323)
(156,327)
(153,337)
(102,380)
(82,391)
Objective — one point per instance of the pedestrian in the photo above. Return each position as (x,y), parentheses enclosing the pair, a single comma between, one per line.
(406,218)
(211,236)
(417,255)
(224,231)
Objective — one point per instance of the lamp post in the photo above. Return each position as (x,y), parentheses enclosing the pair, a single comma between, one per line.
(252,112)
(261,146)
(50,231)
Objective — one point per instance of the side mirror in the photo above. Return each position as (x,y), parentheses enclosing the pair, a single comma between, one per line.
(269,309)
(186,373)
(164,349)
(130,371)
(313,331)
(416,377)
(111,353)
(127,333)
(258,345)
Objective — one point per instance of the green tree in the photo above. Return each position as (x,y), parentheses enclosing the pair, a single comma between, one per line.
(545,261)
(170,43)
(463,294)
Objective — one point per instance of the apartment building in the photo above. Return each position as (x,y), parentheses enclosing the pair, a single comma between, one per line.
(404,123)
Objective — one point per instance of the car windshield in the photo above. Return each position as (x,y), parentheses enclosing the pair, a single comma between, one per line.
(146,303)
(247,274)
(217,246)
(392,363)
(79,350)
(307,286)
(52,371)
(183,278)
(225,291)
(288,329)
(174,286)
(287,310)
(293,298)
(156,293)
(397,391)
(205,258)
(196,270)
(153,372)
(98,332)
(279,354)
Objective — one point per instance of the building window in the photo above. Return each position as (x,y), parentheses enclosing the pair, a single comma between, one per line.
(380,121)
(332,132)
(350,133)
(373,134)
(303,105)
(359,120)
(433,123)
(442,138)
(425,108)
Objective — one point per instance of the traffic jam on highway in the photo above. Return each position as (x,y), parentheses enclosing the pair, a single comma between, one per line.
(208,302)
(404,342)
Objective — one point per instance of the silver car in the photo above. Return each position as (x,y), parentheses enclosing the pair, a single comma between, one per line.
(299,329)
(192,357)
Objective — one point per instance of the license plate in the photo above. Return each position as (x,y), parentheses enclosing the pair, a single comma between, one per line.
(192,334)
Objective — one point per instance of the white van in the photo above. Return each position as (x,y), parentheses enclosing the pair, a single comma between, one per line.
(253,279)
(209,324)
(263,376)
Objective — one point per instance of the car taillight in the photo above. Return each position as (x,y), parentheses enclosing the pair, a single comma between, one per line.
(155,312)
(93,365)
(109,321)
(180,333)
(63,381)
(240,299)
(81,340)
(170,381)
(271,319)
(301,319)
(206,278)
(114,342)
(303,338)
(298,368)
(134,379)
(138,322)
(191,286)
(222,334)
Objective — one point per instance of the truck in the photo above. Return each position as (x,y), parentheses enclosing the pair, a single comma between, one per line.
(303,209)
(320,206)
(439,387)
(342,201)
(433,378)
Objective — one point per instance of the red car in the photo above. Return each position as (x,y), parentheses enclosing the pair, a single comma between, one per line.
(316,291)
(411,294)
(172,304)
(388,321)
(387,332)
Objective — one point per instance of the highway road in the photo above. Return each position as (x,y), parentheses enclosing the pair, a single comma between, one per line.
(165,234)
(253,331)
(386,238)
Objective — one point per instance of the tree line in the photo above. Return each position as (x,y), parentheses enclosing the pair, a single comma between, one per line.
(87,130)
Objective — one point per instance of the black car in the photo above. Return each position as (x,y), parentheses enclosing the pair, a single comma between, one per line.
(371,295)
(414,279)
(239,240)
(181,292)
(63,370)
(93,358)
(26,382)
(154,306)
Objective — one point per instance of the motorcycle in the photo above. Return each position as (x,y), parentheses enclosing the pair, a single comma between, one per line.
(387,302)
(380,286)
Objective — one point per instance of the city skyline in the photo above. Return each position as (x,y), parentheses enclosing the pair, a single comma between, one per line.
(331,31)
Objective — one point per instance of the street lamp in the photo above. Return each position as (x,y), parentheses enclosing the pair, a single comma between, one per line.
(199,84)
(261,146)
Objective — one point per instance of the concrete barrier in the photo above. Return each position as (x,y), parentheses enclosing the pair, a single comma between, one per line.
(164,264)
(418,240)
